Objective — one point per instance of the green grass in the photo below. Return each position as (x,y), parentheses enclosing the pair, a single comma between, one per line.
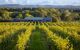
(37,41)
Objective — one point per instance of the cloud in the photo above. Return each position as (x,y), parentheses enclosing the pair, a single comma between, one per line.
(10,1)
(41,2)
(6,0)
(54,2)
(13,1)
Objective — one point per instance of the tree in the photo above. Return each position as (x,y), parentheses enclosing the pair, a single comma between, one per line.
(6,15)
(66,16)
(28,14)
(55,14)
(20,15)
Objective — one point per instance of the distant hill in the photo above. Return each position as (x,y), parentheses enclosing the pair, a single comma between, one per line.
(10,6)
(37,6)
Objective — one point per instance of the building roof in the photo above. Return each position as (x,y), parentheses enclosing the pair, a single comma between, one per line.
(33,18)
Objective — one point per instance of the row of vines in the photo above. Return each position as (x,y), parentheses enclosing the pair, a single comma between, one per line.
(39,36)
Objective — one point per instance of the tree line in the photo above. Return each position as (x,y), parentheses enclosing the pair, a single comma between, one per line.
(55,13)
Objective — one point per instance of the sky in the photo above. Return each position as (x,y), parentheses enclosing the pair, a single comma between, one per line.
(41,2)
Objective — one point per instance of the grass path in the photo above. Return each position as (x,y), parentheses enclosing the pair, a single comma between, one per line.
(37,41)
